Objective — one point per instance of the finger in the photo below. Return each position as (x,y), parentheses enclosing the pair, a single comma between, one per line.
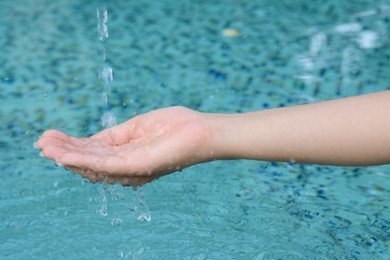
(53,141)
(106,164)
(55,153)
(56,134)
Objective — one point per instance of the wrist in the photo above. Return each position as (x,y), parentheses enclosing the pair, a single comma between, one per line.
(224,132)
(241,136)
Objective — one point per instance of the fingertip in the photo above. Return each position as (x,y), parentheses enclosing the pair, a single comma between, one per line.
(50,132)
(55,133)
(38,143)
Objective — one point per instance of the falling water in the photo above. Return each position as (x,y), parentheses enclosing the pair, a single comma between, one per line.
(138,207)
(105,74)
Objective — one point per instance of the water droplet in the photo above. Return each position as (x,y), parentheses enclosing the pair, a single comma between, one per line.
(116,221)
(105,74)
(102,17)
(84,181)
(108,120)
(103,206)
(57,164)
(144,217)
(103,211)
(133,210)
(105,97)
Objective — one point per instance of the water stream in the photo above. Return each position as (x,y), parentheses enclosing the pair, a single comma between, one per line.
(137,206)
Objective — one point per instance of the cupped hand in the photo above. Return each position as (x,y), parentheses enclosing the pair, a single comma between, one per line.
(135,152)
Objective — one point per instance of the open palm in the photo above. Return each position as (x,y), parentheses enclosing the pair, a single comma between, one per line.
(135,152)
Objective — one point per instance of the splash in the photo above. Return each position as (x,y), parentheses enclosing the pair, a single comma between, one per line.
(139,209)
(125,203)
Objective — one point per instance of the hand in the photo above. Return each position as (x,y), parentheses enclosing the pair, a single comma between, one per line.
(136,152)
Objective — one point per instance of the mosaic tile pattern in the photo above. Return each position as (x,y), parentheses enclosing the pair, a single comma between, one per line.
(220,56)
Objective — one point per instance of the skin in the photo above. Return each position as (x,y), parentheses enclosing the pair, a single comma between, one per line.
(352,131)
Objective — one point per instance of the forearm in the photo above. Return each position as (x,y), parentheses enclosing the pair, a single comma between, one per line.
(352,131)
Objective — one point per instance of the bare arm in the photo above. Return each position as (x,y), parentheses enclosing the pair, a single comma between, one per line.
(351,131)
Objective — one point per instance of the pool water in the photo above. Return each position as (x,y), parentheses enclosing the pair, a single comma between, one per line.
(213,56)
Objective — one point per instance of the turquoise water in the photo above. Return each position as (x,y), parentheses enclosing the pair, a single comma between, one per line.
(165,53)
